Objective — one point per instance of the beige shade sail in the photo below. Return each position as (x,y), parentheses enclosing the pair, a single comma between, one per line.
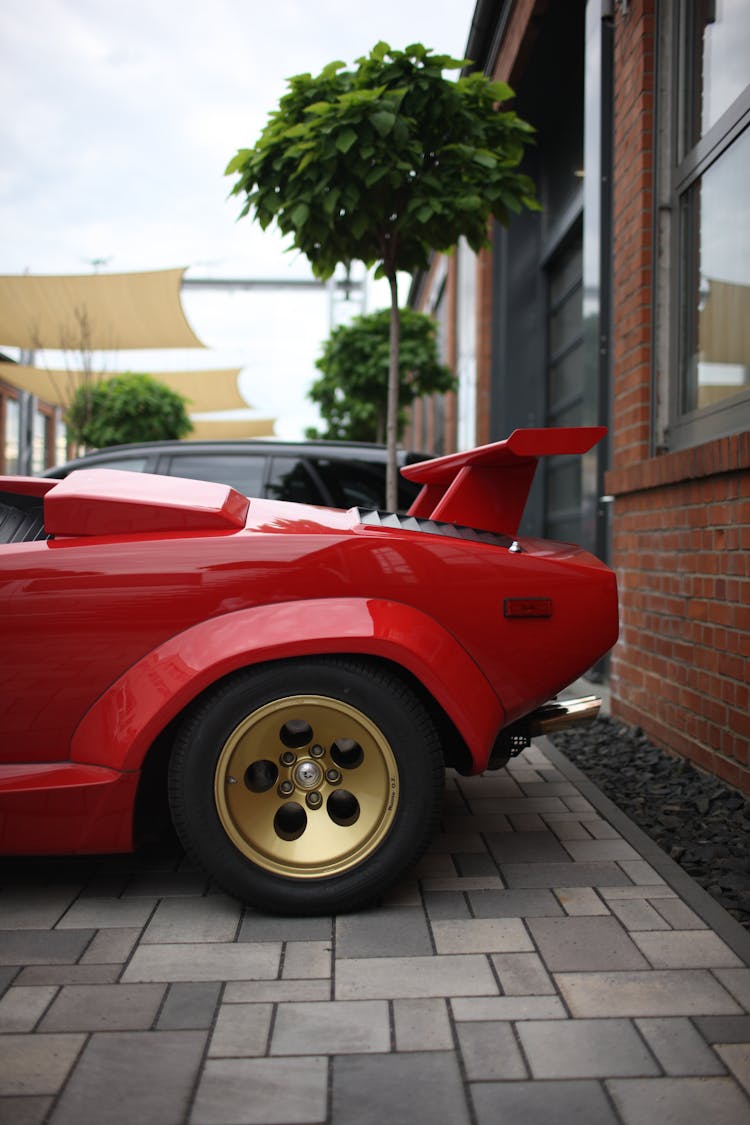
(204,390)
(724,324)
(98,312)
(225,429)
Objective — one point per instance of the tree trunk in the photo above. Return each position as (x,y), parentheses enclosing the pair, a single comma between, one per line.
(391,480)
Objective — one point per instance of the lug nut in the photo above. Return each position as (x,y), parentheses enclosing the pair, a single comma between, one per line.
(314,800)
(288,758)
(333,776)
(286,788)
(316,751)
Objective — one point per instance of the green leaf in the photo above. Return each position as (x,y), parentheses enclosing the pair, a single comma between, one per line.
(345,140)
(300,214)
(383,121)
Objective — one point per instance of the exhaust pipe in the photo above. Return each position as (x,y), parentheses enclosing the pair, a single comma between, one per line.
(553,716)
(561,714)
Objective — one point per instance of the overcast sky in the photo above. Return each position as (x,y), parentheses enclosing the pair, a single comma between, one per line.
(118,122)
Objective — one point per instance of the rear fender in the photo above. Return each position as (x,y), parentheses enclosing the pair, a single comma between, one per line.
(123,722)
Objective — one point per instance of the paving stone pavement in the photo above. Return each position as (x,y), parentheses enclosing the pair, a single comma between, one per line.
(545,963)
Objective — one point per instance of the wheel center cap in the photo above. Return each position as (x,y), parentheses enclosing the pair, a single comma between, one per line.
(308,774)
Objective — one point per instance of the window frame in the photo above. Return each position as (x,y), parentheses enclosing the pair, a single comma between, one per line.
(688,164)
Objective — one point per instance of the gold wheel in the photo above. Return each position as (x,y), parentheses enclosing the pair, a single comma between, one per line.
(306,786)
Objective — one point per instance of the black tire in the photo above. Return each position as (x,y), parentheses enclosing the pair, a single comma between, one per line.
(307,786)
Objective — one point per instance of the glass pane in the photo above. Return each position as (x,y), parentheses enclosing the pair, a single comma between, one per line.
(39,443)
(12,427)
(718,305)
(361,484)
(242,471)
(720,44)
(290,479)
(128,464)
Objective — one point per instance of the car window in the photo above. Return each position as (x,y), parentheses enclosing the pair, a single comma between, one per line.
(290,479)
(132,464)
(361,484)
(243,471)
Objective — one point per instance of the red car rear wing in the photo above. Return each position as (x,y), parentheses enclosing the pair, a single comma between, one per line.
(487,488)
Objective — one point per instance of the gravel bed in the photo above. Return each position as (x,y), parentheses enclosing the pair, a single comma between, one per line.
(703,824)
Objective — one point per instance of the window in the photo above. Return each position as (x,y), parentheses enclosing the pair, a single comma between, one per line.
(240,470)
(11,435)
(711,325)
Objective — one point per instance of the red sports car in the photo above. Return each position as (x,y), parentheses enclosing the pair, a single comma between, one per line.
(292,680)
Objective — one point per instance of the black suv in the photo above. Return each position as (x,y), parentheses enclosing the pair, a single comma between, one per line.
(334,474)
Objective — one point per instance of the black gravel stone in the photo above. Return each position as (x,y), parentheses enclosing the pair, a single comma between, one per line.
(703,824)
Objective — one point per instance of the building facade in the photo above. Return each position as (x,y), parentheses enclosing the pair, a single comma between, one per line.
(627,303)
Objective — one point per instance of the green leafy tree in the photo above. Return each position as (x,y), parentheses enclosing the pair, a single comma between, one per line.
(384,164)
(352,390)
(128,407)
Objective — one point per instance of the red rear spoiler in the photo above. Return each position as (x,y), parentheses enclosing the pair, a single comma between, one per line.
(487,488)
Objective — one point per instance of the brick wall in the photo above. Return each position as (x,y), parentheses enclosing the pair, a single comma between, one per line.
(681,520)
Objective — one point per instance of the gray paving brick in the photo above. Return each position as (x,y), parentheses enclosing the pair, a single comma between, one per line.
(386,932)
(580,901)
(414,977)
(104,1007)
(266,927)
(541,1103)
(499,1008)
(687,1101)
(21,1007)
(678,914)
(242,1031)
(638,914)
(724,1029)
(598,851)
(507,806)
(102,913)
(546,788)
(563,875)
(737,1058)
(36,1064)
(527,822)
(193,919)
(24,1111)
(262,1092)
(675,992)
(468,842)
(481,935)
(471,822)
(490,1051)
(338,1027)
(526,847)
(513,904)
(306,959)
(421,1088)
(7,973)
(490,785)
(474,863)
(276,991)
(686,949)
(165,1062)
(522,974)
(678,1046)
(649,893)
(212,961)
(640,872)
(422,1025)
(69,974)
(469,883)
(567,944)
(582,1048)
(112,946)
(446,904)
(42,947)
(737,981)
(189,1006)
(36,908)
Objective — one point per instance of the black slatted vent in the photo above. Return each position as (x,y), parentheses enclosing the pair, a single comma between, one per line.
(21,518)
(432,527)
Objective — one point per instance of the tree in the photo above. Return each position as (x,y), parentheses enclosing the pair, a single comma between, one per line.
(352,390)
(125,408)
(384,164)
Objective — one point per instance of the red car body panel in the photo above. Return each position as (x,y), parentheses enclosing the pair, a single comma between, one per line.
(154,588)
